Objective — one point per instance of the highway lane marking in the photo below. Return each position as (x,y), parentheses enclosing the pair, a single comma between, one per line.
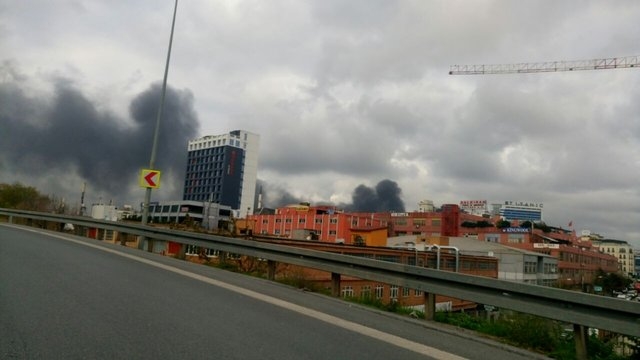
(348,325)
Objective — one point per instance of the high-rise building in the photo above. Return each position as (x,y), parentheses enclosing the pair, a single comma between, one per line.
(223,169)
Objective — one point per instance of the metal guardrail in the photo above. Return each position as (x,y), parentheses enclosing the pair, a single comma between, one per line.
(616,315)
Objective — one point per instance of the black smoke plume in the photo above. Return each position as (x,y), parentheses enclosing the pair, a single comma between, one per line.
(386,196)
(68,131)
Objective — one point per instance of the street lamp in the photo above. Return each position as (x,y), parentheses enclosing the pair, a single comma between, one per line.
(147,196)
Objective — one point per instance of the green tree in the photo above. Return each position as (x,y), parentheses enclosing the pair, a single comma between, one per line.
(502,224)
(611,282)
(18,196)
(484,223)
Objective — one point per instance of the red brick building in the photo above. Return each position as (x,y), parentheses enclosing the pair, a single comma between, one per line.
(322,223)
(578,261)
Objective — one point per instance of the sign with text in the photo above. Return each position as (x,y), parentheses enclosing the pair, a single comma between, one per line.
(515,230)
(473,204)
(546,246)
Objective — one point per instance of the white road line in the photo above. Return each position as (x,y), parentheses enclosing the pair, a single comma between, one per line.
(348,325)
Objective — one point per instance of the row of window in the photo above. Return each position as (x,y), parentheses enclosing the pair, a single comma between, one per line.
(204,188)
(318,220)
(515,239)
(212,253)
(416,222)
(218,166)
(265,221)
(620,250)
(347,291)
(288,232)
(175,209)
(201,194)
(207,147)
(193,173)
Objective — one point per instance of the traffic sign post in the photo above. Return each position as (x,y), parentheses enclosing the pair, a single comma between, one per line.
(150,179)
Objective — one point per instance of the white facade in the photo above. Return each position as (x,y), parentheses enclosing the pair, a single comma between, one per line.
(513,264)
(104,212)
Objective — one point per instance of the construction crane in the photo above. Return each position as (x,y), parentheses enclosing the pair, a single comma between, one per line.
(550,66)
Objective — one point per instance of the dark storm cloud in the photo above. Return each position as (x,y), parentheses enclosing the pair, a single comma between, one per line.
(69,132)
(386,196)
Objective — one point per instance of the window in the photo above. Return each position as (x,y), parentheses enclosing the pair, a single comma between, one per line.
(334,220)
(301,220)
(550,268)
(379,291)
(197,250)
(435,222)
(406,291)
(365,292)
(265,221)
(417,292)
(419,222)
(393,292)
(530,267)
(346,291)
(318,220)
(516,238)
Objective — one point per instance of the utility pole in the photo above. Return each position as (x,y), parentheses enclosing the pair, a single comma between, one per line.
(152,161)
(82,206)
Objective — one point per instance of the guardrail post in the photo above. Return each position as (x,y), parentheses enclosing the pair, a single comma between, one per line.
(182,252)
(429,306)
(271,270)
(580,337)
(335,284)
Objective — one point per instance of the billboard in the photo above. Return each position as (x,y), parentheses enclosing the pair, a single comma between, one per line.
(473,204)
(521,210)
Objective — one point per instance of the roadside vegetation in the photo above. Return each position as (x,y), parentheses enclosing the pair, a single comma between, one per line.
(20,197)
(525,331)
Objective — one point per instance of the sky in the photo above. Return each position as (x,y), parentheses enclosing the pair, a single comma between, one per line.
(352,101)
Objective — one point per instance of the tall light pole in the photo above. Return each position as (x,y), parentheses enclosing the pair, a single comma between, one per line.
(152,161)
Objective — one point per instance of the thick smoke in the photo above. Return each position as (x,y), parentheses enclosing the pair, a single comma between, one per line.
(68,131)
(384,197)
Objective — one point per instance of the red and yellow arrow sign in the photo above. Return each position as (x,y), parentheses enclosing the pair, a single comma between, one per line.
(150,178)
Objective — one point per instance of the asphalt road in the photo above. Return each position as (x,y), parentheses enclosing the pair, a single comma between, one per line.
(66,297)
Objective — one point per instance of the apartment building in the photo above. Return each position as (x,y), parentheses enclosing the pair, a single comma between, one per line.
(619,249)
